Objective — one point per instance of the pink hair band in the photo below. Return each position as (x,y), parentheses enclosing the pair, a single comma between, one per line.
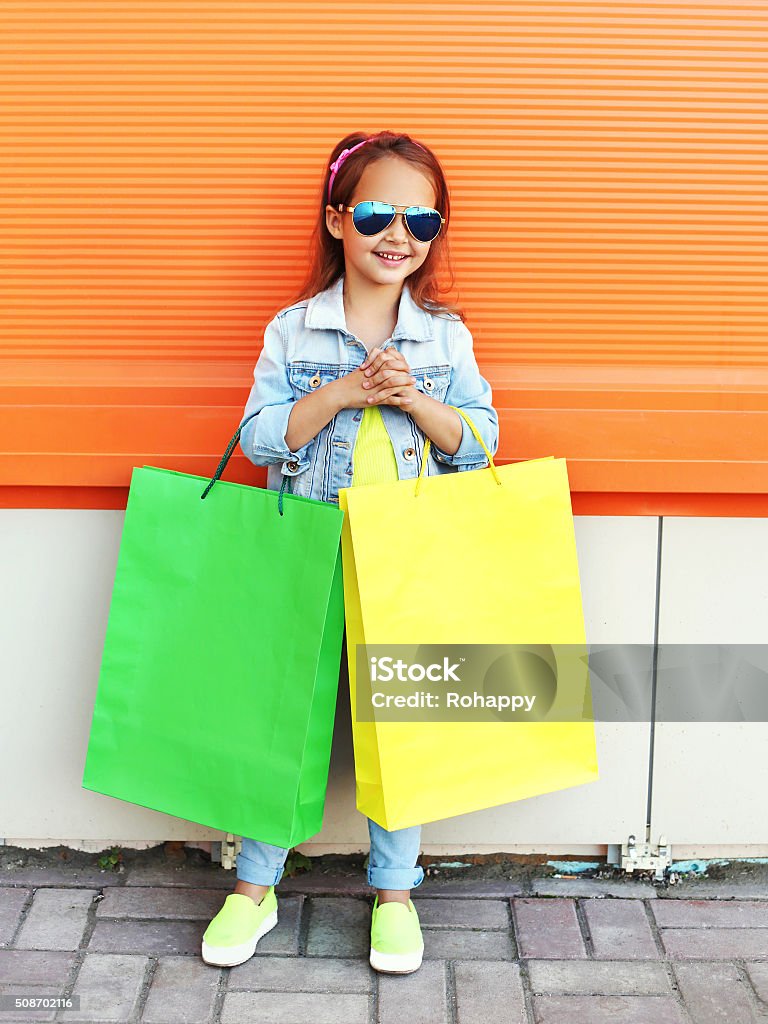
(334,167)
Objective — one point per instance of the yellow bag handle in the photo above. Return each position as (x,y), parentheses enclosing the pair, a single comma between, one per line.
(473,428)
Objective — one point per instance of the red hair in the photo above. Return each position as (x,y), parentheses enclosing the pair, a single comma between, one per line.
(327,253)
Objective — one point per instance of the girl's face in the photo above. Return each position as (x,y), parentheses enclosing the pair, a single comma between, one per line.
(388,180)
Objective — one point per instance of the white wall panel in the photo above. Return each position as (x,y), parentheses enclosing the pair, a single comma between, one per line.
(711,779)
(59,569)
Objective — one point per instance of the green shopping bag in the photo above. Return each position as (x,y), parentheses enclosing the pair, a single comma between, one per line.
(220,670)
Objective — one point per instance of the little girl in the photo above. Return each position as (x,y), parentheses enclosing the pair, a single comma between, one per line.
(350,382)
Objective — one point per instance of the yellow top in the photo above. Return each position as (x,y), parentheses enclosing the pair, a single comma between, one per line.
(373,457)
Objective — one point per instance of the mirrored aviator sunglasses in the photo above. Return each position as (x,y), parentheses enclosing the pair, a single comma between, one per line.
(369,218)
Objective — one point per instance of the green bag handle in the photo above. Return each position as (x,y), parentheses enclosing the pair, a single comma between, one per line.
(225,459)
(473,428)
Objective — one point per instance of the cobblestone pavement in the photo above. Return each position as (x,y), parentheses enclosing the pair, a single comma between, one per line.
(548,951)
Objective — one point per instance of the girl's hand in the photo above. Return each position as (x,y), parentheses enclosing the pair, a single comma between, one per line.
(387,379)
(397,388)
(380,364)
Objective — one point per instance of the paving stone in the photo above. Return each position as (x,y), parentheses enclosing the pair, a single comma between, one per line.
(708,889)
(153,938)
(312,884)
(467,945)
(22,967)
(161,902)
(608,1010)
(710,914)
(547,928)
(317,883)
(301,974)
(620,930)
(717,994)
(294,1008)
(715,943)
(468,913)
(64,877)
(489,993)
(168,937)
(461,920)
(339,927)
(595,977)
(57,919)
(24,973)
(458,888)
(443,886)
(594,888)
(29,1015)
(284,937)
(183,991)
(12,902)
(758,975)
(417,998)
(170,876)
(108,987)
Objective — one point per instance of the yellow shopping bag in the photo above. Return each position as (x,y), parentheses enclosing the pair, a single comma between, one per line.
(489,558)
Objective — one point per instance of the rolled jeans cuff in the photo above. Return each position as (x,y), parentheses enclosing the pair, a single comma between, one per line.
(395,878)
(260,863)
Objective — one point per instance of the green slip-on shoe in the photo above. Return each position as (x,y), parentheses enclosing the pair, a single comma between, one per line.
(396,943)
(230,939)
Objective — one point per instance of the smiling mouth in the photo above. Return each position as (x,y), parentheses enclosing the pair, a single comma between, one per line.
(391,259)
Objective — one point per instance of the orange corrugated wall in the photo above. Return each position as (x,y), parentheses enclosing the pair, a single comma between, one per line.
(607,165)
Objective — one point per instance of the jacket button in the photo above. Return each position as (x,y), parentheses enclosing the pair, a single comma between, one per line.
(293,465)
(314,381)
(409,453)
(428,384)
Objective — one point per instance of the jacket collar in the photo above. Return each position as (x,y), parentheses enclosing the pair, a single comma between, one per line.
(326,310)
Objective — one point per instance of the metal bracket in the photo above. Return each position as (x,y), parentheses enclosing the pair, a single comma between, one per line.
(230,847)
(646,857)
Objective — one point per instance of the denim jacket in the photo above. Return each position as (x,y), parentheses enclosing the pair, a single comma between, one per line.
(308,345)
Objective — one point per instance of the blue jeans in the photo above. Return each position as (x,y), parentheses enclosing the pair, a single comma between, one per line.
(391,865)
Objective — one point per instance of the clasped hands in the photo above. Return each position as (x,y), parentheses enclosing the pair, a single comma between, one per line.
(385,379)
